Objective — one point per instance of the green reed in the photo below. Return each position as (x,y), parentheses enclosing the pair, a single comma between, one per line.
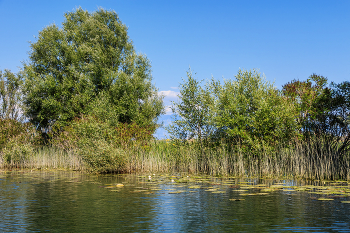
(315,159)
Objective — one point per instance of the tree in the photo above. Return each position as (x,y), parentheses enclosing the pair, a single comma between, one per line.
(248,111)
(89,66)
(11,96)
(252,112)
(307,96)
(338,118)
(192,112)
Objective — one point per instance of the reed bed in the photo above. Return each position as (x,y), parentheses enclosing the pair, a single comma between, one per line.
(47,157)
(300,160)
(313,160)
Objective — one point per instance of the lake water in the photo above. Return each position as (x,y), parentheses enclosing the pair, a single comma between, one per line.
(75,202)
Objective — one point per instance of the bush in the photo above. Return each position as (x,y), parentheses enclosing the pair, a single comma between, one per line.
(102,147)
(9,129)
(17,152)
(101,156)
(16,141)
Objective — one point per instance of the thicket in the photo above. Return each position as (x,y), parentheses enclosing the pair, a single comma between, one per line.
(305,126)
(85,100)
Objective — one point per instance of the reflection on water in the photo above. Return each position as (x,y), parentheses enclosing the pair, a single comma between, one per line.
(75,202)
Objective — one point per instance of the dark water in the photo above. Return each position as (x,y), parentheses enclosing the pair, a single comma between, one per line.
(74,202)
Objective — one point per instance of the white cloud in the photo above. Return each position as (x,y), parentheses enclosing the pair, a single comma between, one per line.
(168,110)
(170,94)
(169,97)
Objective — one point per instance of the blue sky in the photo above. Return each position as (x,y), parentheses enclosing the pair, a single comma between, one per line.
(284,39)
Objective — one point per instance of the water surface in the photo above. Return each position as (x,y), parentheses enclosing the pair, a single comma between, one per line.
(74,202)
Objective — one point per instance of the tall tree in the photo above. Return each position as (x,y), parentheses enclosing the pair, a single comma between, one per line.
(11,96)
(193,112)
(89,66)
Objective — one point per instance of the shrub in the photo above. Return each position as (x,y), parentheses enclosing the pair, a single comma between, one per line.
(16,141)
(17,152)
(102,147)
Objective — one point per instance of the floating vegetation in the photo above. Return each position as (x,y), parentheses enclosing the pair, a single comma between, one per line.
(219,192)
(177,192)
(325,199)
(268,190)
(194,187)
(248,194)
(211,190)
(235,189)
(156,189)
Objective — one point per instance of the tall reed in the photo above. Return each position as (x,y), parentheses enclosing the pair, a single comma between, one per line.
(314,159)
(47,157)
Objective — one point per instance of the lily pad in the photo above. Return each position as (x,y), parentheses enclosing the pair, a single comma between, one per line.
(325,199)
(194,187)
(219,192)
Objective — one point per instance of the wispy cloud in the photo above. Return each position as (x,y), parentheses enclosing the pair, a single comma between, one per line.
(169,96)
(168,110)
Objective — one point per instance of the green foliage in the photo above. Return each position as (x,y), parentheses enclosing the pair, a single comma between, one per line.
(306,96)
(101,156)
(247,111)
(11,96)
(323,111)
(103,147)
(88,61)
(10,129)
(16,141)
(332,110)
(193,113)
(17,152)
(252,112)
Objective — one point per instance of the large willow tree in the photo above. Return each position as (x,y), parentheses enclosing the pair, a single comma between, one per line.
(89,67)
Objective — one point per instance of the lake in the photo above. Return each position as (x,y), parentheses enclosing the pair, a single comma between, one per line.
(61,201)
